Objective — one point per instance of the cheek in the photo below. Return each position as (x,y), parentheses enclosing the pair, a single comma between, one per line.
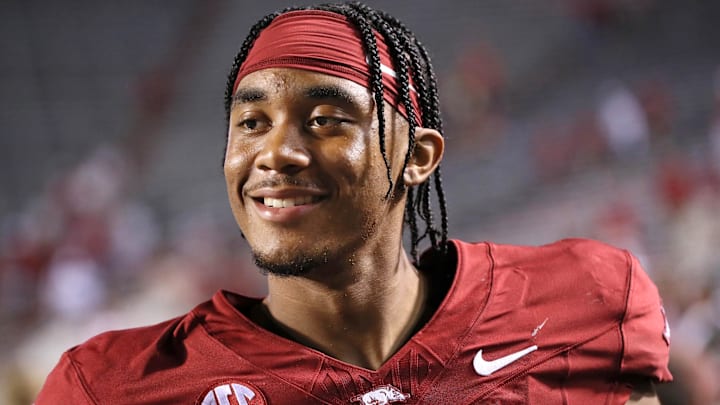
(356,151)
(349,159)
(234,148)
(233,169)
(236,168)
(238,154)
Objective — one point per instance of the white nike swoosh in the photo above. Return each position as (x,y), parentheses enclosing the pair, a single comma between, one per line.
(485,368)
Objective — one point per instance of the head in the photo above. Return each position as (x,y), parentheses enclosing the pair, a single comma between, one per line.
(380,88)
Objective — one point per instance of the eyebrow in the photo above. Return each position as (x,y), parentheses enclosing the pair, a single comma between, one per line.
(252,94)
(331,92)
(249,95)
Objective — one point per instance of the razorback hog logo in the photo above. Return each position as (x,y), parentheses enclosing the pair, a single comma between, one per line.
(382,395)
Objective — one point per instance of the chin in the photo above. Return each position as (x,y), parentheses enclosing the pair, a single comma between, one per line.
(289,265)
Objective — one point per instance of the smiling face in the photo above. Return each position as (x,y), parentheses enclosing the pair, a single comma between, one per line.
(304,173)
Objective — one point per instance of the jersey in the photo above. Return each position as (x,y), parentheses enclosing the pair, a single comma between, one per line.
(574,322)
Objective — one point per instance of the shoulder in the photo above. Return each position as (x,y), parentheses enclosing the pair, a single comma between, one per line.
(164,363)
(569,260)
(114,358)
(586,253)
(111,365)
(111,356)
(586,283)
(571,247)
(133,340)
(598,289)
(575,259)
(128,347)
(590,301)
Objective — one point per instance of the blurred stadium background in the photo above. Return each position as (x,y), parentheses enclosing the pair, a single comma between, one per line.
(591,118)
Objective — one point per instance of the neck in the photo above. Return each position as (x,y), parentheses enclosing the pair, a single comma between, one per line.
(360,313)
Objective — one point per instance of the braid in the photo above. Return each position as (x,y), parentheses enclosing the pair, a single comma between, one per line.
(358,18)
(397,53)
(423,204)
(408,55)
(426,83)
(433,98)
(443,208)
(411,220)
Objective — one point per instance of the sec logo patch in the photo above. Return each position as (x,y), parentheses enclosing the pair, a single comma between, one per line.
(232,393)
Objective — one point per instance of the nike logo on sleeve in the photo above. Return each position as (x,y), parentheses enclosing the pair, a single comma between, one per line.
(485,368)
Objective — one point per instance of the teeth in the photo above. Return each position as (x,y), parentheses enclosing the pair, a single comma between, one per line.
(287,202)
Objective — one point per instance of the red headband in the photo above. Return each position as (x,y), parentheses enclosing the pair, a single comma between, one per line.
(324,42)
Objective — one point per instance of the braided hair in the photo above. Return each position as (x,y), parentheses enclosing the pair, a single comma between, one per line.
(408,54)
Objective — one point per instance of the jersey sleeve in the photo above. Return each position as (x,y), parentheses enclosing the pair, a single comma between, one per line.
(645,331)
(63,385)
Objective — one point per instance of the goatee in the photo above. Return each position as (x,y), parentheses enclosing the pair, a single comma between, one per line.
(298,266)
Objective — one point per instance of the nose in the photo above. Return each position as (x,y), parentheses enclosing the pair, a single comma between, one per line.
(284,151)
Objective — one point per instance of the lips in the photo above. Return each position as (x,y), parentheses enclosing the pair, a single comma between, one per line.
(286,210)
(289,202)
(285,203)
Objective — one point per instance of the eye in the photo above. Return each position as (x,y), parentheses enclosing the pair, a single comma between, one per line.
(324,122)
(248,124)
(251,125)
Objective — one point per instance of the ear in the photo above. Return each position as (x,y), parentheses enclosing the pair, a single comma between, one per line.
(429,147)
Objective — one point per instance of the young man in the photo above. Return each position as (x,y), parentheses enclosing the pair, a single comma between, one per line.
(334,142)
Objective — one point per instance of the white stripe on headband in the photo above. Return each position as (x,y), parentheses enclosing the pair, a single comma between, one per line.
(390,72)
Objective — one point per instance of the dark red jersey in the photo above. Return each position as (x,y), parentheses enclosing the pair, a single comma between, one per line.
(574,322)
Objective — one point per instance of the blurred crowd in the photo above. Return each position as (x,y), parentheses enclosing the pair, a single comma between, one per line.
(87,253)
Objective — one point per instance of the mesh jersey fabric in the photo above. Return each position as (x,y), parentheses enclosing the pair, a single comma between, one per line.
(591,311)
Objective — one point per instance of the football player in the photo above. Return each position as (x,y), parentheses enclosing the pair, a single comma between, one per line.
(334,145)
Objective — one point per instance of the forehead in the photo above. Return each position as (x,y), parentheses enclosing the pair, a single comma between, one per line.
(291,81)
